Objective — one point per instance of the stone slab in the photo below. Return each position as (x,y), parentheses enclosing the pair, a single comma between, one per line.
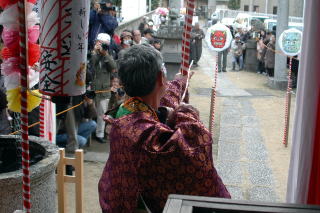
(265,194)
(230,119)
(230,172)
(235,192)
(256,152)
(231,102)
(249,121)
(203,91)
(252,134)
(232,92)
(258,92)
(96,157)
(231,133)
(229,151)
(260,174)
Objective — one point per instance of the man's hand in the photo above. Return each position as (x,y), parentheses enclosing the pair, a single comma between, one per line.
(103,52)
(97,47)
(180,76)
(88,100)
(114,89)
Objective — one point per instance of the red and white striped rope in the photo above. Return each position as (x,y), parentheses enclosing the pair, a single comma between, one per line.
(287,106)
(24,103)
(41,118)
(213,95)
(186,37)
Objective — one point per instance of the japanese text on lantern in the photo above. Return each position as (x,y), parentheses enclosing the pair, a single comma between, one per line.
(64,25)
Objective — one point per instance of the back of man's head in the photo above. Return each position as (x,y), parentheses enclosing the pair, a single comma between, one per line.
(138,70)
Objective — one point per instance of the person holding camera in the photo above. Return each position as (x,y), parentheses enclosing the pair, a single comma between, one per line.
(103,65)
(107,22)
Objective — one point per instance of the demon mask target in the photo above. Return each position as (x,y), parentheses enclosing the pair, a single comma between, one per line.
(218,37)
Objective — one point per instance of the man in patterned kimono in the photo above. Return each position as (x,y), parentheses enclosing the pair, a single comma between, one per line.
(155,151)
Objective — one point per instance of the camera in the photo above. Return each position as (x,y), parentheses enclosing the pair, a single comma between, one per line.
(105,47)
(90,94)
(120,92)
(104,7)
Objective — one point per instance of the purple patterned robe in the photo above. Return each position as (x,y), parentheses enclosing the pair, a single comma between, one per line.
(151,159)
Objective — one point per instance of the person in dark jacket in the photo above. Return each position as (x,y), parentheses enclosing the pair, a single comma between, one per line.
(101,21)
(107,22)
(269,58)
(93,21)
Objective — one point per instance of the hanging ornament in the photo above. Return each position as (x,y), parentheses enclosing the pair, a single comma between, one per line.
(290,42)
(218,37)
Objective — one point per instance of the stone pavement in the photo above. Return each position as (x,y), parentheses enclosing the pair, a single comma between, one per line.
(242,156)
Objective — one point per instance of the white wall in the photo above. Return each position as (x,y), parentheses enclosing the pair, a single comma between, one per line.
(131,9)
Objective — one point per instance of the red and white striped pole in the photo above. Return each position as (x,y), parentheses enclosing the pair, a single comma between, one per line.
(186,36)
(287,107)
(41,118)
(24,104)
(213,96)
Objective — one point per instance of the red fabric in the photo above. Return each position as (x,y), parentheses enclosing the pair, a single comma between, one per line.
(33,51)
(8,53)
(314,183)
(116,39)
(5,3)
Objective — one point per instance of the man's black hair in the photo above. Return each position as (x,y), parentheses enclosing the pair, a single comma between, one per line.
(146,31)
(138,70)
(114,75)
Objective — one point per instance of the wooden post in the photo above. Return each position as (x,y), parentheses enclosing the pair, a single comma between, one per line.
(79,180)
(62,178)
(61,172)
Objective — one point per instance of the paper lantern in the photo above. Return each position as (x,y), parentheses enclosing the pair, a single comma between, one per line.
(63,40)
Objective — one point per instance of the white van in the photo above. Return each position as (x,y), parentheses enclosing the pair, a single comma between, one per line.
(243,20)
(270,23)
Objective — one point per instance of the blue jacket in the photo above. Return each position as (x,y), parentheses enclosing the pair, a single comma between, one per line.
(93,22)
(107,23)
(100,23)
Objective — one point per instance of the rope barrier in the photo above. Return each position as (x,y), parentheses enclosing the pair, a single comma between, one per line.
(279,52)
(287,107)
(60,113)
(213,96)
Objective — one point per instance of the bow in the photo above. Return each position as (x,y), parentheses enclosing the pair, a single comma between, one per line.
(187,84)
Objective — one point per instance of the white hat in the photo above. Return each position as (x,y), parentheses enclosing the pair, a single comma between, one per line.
(237,35)
(104,37)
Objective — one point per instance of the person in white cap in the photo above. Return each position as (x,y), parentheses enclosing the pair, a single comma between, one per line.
(237,52)
(103,65)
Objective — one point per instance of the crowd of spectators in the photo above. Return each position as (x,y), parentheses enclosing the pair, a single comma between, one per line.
(105,48)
